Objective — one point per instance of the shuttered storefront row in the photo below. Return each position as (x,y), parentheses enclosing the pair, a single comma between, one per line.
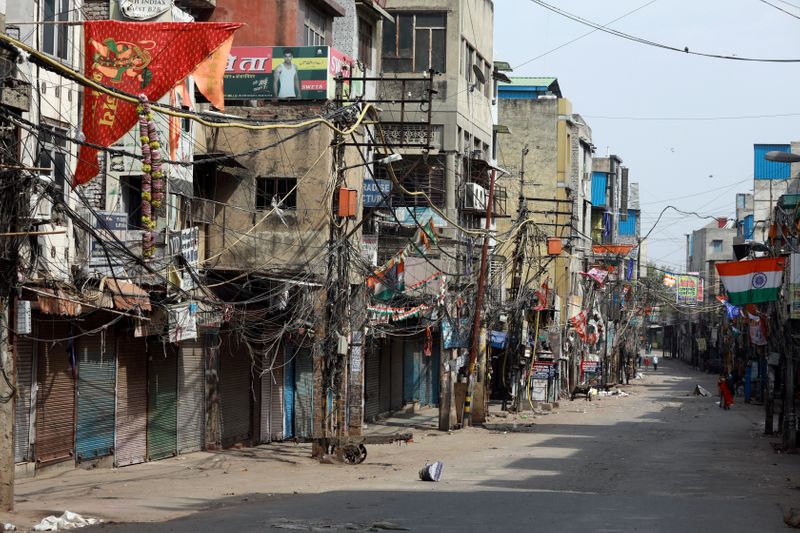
(162,396)
(191,396)
(271,397)
(234,387)
(385,381)
(396,376)
(96,385)
(130,441)
(22,412)
(55,400)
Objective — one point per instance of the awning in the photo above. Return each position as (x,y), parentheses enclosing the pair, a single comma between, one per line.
(613,249)
(56,302)
(376,5)
(498,339)
(127,295)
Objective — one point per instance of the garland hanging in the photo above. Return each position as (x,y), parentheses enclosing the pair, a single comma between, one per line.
(152,176)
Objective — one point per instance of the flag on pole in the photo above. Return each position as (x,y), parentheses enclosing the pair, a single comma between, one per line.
(751,282)
(138,58)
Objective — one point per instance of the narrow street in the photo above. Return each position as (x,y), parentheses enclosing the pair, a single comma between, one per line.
(660,459)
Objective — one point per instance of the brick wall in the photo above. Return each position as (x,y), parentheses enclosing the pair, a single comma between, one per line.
(96,9)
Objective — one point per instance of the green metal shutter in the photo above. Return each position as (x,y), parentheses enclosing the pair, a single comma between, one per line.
(304,394)
(162,397)
(96,385)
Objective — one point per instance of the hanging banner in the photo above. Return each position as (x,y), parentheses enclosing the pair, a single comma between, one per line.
(146,58)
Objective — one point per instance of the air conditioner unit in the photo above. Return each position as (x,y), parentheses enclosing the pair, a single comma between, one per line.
(41,206)
(475,197)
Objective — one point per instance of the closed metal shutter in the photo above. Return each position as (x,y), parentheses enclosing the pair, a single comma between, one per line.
(96,385)
(304,394)
(130,441)
(372,381)
(271,397)
(234,389)
(412,371)
(22,411)
(288,390)
(396,375)
(191,396)
(55,399)
(162,397)
(385,381)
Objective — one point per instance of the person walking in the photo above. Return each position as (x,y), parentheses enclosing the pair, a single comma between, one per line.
(655,363)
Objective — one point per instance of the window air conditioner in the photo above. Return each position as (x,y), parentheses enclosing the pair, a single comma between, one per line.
(475,197)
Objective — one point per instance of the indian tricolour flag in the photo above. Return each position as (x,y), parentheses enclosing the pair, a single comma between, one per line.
(752,282)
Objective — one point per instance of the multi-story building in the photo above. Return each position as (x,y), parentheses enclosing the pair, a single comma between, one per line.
(707,246)
(770,181)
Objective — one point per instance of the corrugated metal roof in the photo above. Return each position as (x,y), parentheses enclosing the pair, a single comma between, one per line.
(627,227)
(770,170)
(519,83)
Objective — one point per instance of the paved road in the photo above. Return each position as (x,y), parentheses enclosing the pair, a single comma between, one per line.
(658,460)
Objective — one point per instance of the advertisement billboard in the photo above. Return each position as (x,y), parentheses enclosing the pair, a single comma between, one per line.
(687,290)
(284,72)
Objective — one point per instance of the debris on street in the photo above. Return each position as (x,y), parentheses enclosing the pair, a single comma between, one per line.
(700,391)
(431,471)
(68,520)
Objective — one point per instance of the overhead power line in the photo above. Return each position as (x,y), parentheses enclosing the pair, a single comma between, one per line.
(686,119)
(779,8)
(640,40)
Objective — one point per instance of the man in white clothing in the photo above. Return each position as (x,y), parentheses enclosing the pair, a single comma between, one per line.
(286,83)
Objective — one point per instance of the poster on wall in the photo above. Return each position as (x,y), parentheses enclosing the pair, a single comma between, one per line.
(285,72)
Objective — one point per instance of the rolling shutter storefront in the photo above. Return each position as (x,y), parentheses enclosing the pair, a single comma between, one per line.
(162,396)
(96,385)
(191,396)
(131,433)
(372,381)
(304,394)
(234,387)
(55,400)
(22,412)
(271,398)
(396,376)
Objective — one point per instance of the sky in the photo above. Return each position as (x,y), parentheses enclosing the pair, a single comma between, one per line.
(695,165)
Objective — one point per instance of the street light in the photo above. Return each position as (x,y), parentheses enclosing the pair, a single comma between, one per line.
(782,157)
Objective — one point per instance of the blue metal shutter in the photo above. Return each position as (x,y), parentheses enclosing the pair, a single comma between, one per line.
(96,394)
(288,391)
(411,371)
(628,227)
(599,183)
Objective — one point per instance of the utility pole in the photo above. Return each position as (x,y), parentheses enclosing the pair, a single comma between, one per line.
(474,383)
(516,279)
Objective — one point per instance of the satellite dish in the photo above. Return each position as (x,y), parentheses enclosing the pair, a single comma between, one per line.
(478,74)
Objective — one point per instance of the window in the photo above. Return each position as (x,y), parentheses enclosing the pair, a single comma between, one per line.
(716,245)
(414,42)
(417,174)
(131,186)
(365,42)
(54,36)
(314,27)
(278,188)
(469,60)
(53,154)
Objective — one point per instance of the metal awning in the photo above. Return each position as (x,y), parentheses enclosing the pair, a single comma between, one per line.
(127,295)
(376,6)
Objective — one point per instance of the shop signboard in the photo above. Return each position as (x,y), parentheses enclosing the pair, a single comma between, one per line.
(413,216)
(375,190)
(590,367)
(109,227)
(687,290)
(284,72)
(544,370)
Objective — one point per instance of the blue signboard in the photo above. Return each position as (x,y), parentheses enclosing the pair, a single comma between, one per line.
(374,192)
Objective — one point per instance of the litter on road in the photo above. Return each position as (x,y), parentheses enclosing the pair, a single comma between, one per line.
(700,391)
(432,471)
(68,520)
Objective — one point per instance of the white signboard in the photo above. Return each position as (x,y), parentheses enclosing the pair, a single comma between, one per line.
(144,9)
(183,322)
(23,317)
(185,243)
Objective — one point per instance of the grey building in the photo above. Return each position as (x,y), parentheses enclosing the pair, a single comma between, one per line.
(707,247)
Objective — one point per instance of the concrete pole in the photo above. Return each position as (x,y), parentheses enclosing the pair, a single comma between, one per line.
(7,404)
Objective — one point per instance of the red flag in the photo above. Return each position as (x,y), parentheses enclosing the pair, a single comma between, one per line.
(137,58)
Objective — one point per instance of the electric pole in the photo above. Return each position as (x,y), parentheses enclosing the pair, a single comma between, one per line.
(474,383)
